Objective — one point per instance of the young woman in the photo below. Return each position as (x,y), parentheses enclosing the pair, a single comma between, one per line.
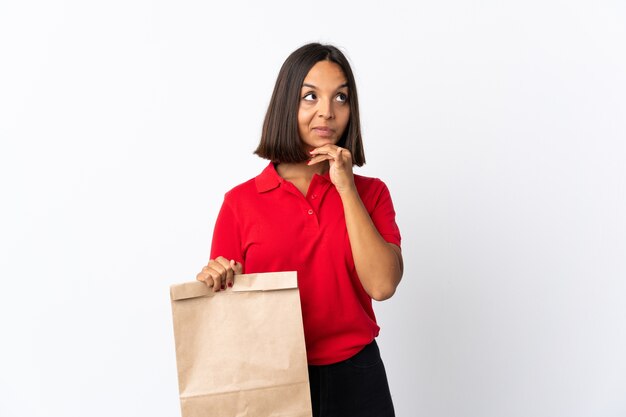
(308,212)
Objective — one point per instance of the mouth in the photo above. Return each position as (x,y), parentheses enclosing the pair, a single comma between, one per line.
(324,131)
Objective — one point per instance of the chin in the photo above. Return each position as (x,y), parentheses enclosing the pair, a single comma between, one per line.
(317,144)
(326,141)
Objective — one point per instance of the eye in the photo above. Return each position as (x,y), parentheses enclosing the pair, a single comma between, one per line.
(309,97)
(342,97)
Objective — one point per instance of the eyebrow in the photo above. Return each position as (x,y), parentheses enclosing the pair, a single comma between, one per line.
(344,85)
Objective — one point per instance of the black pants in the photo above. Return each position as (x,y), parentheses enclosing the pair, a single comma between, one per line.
(356,387)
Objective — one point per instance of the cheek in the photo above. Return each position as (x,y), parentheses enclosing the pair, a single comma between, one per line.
(303,117)
(344,119)
(301,124)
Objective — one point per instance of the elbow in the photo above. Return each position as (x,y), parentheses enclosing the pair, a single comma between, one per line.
(386,289)
(383,293)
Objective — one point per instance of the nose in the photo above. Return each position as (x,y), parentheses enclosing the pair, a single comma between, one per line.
(325,109)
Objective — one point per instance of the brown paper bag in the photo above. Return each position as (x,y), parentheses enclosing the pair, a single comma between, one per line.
(241,352)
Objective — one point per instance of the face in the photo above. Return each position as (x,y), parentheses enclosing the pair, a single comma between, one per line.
(324,110)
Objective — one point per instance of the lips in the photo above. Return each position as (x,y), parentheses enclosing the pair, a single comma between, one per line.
(323,131)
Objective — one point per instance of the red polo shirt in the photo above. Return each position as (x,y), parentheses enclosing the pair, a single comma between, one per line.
(269,226)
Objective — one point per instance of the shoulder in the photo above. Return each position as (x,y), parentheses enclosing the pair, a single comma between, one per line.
(250,190)
(243,190)
(370,189)
(368,184)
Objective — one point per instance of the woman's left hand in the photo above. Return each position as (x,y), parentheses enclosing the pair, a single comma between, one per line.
(340,161)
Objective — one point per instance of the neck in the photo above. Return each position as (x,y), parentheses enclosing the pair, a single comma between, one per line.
(301,170)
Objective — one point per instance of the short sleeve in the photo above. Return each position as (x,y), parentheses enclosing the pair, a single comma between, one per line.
(384,216)
(227,235)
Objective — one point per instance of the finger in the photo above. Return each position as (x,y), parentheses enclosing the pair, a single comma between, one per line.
(319,158)
(204,276)
(324,150)
(344,155)
(339,158)
(222,261)
(218,274)
(238,267)
(216,280)
(230,279)
(338,153)
(228,276)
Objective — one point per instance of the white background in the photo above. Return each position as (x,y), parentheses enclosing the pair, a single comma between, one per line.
(499,127)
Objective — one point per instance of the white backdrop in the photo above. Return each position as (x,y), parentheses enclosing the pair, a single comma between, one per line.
(499,128)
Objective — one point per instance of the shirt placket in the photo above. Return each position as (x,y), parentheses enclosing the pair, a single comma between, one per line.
(311,203)
(318,188)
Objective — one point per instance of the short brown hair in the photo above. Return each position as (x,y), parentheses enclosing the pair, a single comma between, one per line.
(280,140)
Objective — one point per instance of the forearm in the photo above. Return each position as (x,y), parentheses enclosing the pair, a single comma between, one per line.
(378,263)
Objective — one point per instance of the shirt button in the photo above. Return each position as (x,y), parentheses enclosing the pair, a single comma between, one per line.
(310,211)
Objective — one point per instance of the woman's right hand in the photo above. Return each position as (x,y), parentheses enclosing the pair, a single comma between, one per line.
(219,273)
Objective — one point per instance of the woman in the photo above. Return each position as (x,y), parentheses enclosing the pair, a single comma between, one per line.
(308,212)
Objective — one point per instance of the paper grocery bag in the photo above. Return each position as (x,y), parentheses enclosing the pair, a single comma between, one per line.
(241,352)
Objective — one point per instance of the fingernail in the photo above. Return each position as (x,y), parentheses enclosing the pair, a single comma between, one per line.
(223,287)
(230,284)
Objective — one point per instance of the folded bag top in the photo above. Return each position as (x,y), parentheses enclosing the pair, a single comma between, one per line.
(245,282)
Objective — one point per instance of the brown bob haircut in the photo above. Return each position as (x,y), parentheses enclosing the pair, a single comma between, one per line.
(280,140)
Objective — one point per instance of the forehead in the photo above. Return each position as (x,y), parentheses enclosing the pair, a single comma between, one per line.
(326,74)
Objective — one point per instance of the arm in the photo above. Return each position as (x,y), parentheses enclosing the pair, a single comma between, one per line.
(378,263)
(226,258)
